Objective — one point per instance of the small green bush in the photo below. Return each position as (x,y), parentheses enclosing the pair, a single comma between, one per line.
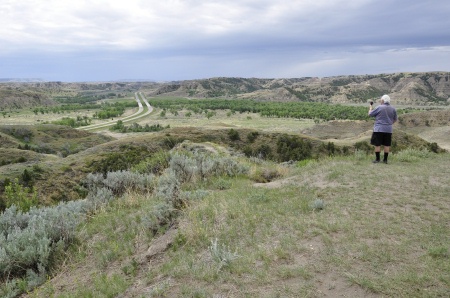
(233,135)
(251,136)
(222,254)
(155,164)
(317,205)
(23,197)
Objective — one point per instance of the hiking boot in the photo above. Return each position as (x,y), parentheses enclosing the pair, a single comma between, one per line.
(375,161)
(385,161)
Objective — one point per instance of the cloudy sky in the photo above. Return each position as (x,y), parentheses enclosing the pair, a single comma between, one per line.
(97,40)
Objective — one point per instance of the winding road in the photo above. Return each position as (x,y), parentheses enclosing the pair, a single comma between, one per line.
(139,114)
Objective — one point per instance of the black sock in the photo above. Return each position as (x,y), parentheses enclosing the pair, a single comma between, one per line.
(377,154)
(385,156)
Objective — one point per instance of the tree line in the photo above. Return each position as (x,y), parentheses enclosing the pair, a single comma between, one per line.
(299,110)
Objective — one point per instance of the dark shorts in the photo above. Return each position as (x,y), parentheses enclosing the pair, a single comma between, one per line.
(381,138)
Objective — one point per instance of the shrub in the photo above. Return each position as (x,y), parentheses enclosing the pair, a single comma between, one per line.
(155,164)
(123,160)
(317,205)
(23,197)
(162,215)
(363,146)
(222,184)
(183,167)
(233,135)
(120,181)
(265,175)
(251,136)
(221,254)
(168,188)
(28,239)
(264,151)
(293,148)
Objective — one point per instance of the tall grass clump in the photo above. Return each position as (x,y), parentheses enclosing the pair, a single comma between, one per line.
(412,155)
(360,155)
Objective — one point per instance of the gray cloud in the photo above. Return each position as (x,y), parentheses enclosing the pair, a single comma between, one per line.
(163,40)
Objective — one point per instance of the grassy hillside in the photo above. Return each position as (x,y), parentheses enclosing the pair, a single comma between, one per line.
(232,205)
(335,227)
(58,158)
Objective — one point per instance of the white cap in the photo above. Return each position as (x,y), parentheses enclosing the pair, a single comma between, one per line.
(386,98)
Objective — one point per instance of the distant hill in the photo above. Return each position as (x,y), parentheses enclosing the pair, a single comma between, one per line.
(21,80)
(16,95)
(429,88)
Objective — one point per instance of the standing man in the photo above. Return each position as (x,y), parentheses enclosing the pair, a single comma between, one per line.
(385,116)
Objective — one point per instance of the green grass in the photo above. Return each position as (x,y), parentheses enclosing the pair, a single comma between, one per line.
(221,119)
(382,230)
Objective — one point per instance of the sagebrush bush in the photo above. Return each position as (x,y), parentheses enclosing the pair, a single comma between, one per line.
(27,239)
(222,254)
(162,215)
(168,188)
(317,205)
(120,181)
(99,197)
(191,167)
(183,166)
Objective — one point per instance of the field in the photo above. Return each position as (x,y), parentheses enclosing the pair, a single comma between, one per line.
(225,212)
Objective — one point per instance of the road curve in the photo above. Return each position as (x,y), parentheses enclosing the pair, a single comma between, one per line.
(133,117)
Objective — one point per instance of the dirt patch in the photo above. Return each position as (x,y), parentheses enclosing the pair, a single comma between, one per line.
(320,181)
(339,130)
(439,135)
(332,284)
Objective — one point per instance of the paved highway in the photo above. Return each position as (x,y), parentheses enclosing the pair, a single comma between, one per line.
(135,116)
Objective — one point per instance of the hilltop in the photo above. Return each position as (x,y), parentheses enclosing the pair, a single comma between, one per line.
(319,229)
